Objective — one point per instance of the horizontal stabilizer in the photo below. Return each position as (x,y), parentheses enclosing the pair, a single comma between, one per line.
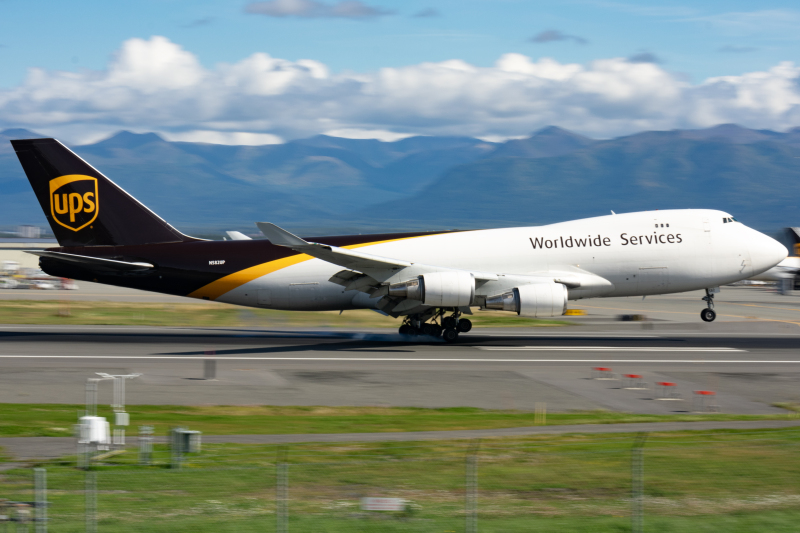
(94,262)
(238,236)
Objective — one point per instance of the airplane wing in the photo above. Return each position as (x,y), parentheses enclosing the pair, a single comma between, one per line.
(372,274)
(332,254)
(378,267)
(95,262)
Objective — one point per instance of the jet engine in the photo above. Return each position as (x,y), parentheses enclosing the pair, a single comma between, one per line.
(438,289)
(535,300)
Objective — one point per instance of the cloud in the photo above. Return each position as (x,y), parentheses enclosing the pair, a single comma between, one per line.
(156,85)
(549,36)
(733,49)
(645,57)
(237,138)
(427,13)
(349,9)
(199,22)
(776,23)
(355,133)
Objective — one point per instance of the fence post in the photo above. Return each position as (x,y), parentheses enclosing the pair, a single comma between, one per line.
(90,503)
(40,497)
(637,483)
(471,492)
(176,447)
(282,492)
(146,444)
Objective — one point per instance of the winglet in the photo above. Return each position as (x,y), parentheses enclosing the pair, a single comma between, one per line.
(280,236)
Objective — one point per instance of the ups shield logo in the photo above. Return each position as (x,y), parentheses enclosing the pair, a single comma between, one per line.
(73,201)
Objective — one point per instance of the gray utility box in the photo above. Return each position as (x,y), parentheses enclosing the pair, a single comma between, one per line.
(186,441)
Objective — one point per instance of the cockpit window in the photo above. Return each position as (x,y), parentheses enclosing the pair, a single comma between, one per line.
(729,219)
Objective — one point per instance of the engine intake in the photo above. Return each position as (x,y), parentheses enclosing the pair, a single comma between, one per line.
(535,300)
(438,289)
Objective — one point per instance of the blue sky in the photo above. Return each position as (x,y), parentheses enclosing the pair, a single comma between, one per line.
(687,43)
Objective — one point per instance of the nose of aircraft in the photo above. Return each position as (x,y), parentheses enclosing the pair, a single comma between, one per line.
(765,252)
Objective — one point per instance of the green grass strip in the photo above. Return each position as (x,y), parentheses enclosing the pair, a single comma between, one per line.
(29,420)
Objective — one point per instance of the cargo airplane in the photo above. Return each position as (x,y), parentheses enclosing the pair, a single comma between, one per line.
(430,280)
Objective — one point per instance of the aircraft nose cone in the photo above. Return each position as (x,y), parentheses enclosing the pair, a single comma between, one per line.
(766,252)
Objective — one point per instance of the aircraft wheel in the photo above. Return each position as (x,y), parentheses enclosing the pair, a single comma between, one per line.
(449,322)
(404,329)
(450,335)
(464,325)
(429,329)
(708,315)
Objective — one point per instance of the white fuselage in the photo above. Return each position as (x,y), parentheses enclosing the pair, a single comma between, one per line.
(643,253)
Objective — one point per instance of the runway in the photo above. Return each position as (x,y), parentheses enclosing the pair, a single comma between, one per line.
(749,365)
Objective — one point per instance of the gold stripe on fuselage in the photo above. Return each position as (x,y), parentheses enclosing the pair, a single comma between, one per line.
(217,288)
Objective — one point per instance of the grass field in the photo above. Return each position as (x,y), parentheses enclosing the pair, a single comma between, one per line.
(65,312)
(693,482)
(52,420)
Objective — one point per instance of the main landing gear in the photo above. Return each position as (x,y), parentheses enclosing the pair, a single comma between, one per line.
(708,314)
(447,327)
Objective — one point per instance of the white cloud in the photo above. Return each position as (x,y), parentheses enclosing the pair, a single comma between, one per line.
(381,135)
(235,138)
(155,85)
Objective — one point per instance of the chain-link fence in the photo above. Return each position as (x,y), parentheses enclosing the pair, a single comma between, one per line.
(734,481)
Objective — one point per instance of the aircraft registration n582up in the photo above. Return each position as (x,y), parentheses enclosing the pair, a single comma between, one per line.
(431,280)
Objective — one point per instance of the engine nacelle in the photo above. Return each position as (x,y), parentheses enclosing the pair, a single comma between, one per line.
(438,289)
(534,300)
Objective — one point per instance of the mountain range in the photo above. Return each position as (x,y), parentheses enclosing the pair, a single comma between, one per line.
(329,185)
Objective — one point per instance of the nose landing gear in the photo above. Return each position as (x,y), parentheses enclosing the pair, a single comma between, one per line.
(708,314)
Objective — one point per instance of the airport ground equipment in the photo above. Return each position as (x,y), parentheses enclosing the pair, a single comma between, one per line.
(121,418)
(183,441)
(429,279)
(602,372)
(146,444)
(667,390)
(634,382)
(705,401)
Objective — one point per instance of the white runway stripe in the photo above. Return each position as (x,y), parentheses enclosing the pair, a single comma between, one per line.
(571,335)
(602,349)
(393,359)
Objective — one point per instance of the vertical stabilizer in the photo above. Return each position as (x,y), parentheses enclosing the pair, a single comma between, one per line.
(83,207)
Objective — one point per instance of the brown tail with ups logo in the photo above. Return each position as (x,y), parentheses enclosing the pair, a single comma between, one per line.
(71,193)
(73,201)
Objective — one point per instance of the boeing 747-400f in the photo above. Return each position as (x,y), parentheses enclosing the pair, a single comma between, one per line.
(430,280)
